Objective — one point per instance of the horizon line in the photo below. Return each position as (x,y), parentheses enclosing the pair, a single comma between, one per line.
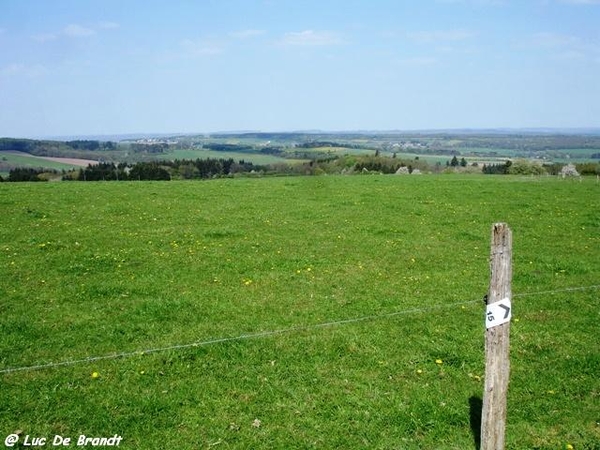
(508,130)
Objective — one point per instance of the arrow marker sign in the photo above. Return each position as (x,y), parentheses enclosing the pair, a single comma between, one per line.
(497,313)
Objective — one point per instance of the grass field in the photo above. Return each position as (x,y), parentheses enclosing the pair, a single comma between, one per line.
(253,157)
(23,160)
(308,312)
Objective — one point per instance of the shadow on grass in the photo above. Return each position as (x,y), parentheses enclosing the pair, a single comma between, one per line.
(475,408)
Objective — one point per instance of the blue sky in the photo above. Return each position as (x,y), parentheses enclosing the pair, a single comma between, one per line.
(77,67)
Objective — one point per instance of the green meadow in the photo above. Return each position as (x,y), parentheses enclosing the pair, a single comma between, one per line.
(295,313)
(254,157)
(23,160)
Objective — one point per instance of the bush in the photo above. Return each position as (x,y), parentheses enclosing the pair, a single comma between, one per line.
(588,168)
(526,167)
(569,171)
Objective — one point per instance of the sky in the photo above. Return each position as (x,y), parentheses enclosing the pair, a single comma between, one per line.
(105,67)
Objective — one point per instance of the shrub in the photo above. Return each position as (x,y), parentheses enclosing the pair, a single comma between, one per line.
(526,167)
(569,171)
(588,168)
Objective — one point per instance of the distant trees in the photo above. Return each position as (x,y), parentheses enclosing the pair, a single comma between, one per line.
(53,148)
(19,145)
(122,172)
(166,170)
(382,164)
(149,171)
(25,174)
(33,147)
(102,172)
(218,147)
(333,164)
(497,169)
(91,145)
(319,144)
(526,167)
(271,151)
(211,168)
(159,147)
(588,168)
(377,165)
(84,145)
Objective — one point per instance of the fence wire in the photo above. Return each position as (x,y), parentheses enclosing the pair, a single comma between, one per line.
(261,334)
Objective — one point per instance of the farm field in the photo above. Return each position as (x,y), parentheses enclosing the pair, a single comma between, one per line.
(20,159)
(253,157)
(297,312)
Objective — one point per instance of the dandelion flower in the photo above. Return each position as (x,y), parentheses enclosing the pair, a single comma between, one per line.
(95,374)
(439,361)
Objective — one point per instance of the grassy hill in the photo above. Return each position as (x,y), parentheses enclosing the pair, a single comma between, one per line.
(304,312)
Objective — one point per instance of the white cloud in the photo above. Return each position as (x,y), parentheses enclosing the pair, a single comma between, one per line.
(74,30)
(246,34)
(311,38)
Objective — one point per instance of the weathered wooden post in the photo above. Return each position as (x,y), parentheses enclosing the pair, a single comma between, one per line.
(497,320)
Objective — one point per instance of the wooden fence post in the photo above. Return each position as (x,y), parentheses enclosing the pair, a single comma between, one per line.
(497,319)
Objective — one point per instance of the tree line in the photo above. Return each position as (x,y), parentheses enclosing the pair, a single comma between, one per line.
(216,168)
(91,145)
(166,170)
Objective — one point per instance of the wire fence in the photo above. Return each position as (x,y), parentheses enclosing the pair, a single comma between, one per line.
(261,334)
